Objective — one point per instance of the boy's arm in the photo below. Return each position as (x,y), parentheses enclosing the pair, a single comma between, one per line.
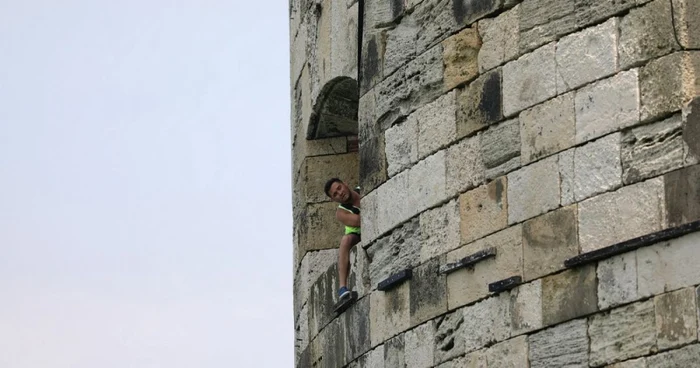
(347,218)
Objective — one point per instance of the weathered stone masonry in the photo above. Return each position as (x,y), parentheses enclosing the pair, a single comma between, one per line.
(553,133)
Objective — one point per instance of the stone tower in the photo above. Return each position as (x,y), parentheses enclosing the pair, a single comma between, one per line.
(530,182)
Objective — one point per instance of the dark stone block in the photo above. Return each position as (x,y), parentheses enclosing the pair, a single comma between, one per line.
(468,261)
(632,244)
(480,104)
(371,67)
(468,11)
(691,128)
(683,196)
(322,300)
(356,322)
(394,352)
(428,293)
(372,163)
(569,295)
(395,279)
(504,285)
(333,342)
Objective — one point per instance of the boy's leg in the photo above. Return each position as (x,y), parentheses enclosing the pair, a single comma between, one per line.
(346,243)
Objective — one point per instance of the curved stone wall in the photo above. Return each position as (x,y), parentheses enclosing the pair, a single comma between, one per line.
(533,163)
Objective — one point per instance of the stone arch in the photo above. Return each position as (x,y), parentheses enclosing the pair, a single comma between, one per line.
(335,111)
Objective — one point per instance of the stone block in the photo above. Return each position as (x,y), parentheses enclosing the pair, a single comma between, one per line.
(688,356)
(548,128)
(449,336)
(617,280)
(389,313)
(543,21)
(394,352)
(650,150)
(566,177)
(385,208)
(372,165)
(401,145)
(468,11)
(475,359)
(634,363)
(623,333)
(627,213)
(676,318)
(483,210)
(440,230)
(460,54)
(669,83)
(437,126)
(320,169)
(464,166)
(321,299)
(569,295)
(563,346)
(320,228)
(591,11)
(373,359)
(668,266)
(410,87)
(356,325)
(533,190)
(687,23)
(501,144)
(395,252)
(526,307)
(427,183)
(597,167)
(344,22)
(500,37)
(607,106)
(691,131)
(436,22)
(327,146)
(548,241)
(646,33)
(470,284)
(487,322)
(301,333)
(419,346)
(332,344)
(479,104)
(313,265)
(428,293)
(586,56)
(529,80)
(371,62)
(400,45)
(682,193)
(508,354)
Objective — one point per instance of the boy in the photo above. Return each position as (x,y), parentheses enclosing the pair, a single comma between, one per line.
(348,213)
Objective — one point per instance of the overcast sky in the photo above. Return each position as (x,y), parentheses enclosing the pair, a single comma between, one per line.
(145,196)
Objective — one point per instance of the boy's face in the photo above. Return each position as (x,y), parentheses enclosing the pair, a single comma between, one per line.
(339,192)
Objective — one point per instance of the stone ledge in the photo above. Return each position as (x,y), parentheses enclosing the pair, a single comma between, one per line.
(632,244)
(394,279)
(468,261)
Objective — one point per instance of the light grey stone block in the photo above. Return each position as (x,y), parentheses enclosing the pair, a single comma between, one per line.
(623,333)
(548,128)
(634,363)
(688,356)
(465,166)
(687,22)
(586,56)
(566,176)
(440,230)
(486,322)
(449,336)
(669,266)
(526,307)
(508,354)
(389,313)
(563,346)
(543,21)
(669,83)
(437,125)
(597,167)
(427,182)
(500,37)
(627,213)
(419,347)
(607,106)
(395,353)
(533,190)
(529,80)
(395,252)
(617,280)
(401,145)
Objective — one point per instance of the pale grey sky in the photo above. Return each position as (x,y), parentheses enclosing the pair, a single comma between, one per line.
(145,204)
